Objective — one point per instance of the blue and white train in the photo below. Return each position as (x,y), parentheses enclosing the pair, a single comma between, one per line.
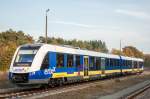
(53,64)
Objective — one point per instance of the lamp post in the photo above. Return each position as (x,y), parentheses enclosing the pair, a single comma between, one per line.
(46,27)
(120,47)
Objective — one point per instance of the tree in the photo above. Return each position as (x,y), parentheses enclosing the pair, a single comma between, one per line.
(9,41)
(132,52)
(116,52)
(129,51)
(96,45)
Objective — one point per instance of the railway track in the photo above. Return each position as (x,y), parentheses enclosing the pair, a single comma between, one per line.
(138,92)
(43,92)
(15,92)
(16,95)
(34,93)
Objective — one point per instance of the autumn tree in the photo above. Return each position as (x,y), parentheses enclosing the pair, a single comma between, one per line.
(116,52)
(129,51)
(9,41)
(132,52)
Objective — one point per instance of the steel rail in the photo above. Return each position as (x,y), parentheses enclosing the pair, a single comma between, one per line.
(138,92)
(31,92)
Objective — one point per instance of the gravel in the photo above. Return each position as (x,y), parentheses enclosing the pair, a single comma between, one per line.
(103,89)
(94,92)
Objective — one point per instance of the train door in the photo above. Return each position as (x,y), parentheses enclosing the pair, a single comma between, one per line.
(103,65)
(86,65)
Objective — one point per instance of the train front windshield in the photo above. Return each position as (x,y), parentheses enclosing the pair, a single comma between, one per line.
(25,56)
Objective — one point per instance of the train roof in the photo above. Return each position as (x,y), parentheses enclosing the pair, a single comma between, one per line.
(72,50)
(132,58)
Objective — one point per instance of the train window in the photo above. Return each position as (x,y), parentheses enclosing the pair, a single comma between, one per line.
(131,64)
(107,62)
(98,63)
(135,64)
(127,63)
(141,64)
(111,62)
(78,61)
(124,63)
(69,60)
(92,63)
(121,62)
(60,60)
(116,62)
(45,63)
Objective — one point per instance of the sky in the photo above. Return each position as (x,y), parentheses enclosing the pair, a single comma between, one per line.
(106,20)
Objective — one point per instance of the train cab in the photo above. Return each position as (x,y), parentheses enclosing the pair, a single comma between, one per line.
(22,62)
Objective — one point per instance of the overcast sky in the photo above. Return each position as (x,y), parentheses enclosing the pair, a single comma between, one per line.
(107,20)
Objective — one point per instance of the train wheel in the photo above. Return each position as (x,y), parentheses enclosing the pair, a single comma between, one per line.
(60,82)
(51,83)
